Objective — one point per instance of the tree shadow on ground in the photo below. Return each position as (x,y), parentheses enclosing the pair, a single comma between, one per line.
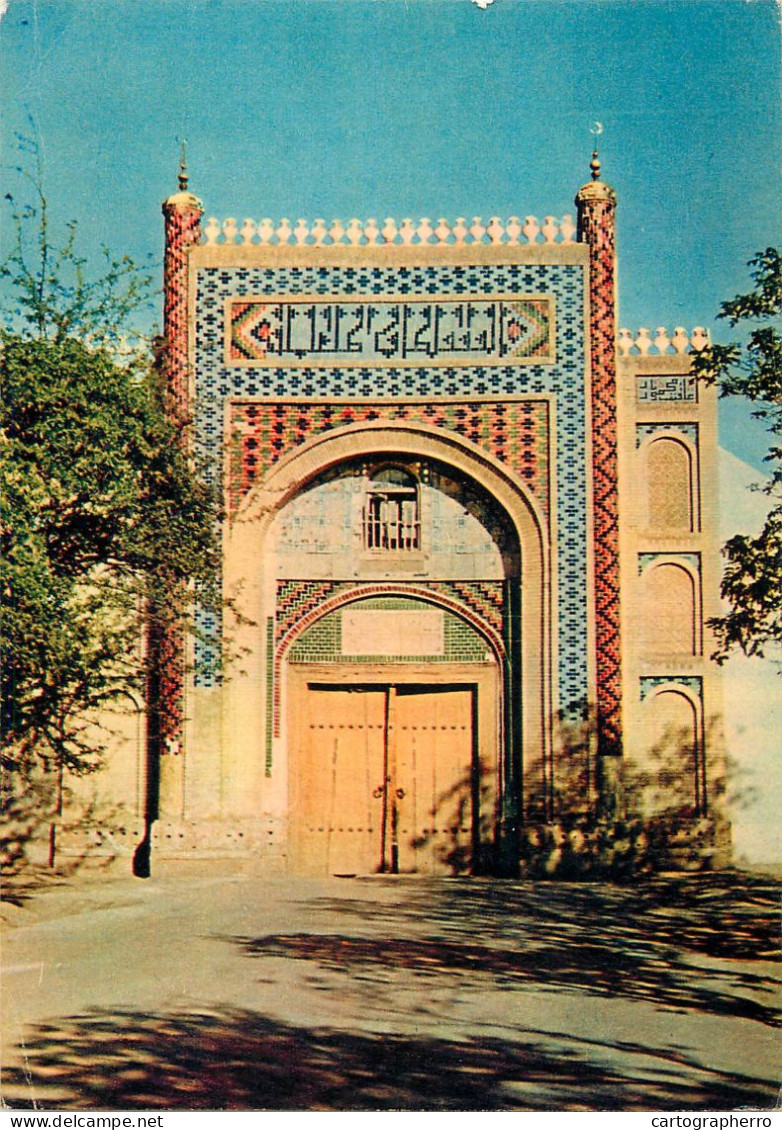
(241,1060)
(674,941)
(727,914)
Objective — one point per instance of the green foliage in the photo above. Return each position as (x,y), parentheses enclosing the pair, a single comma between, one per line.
(104,514)
(52,292)
(752,580)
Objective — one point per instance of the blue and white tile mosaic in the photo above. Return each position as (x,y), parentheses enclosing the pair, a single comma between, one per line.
(218,382)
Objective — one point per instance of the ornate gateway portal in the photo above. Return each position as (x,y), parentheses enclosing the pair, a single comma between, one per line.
(419,435)
(400,425)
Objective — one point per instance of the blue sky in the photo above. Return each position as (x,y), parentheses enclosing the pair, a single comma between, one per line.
(342,108)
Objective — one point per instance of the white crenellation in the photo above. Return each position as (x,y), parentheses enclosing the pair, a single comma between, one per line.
(371,232)
(319,232)
(408,233)
(354,232)
(265,231)
(531,228)
(443,232)
(477,231)
(550,229)
(642,343)
(495,229)
(211,230)
(513,229)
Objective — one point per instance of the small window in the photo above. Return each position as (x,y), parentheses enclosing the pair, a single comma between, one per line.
(391,522)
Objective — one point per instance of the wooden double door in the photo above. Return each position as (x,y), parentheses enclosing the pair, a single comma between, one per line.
(389,778)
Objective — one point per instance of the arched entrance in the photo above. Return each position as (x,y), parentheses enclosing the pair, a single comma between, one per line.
(403,511)
(394,766)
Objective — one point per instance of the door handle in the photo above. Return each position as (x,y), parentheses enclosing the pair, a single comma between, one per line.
(400,793)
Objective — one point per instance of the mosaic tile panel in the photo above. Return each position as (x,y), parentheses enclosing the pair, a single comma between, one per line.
(302,604)
(322,643)
(165,685)
(296,600)
(375,331)
(672,389)
(218,383)
(181,232)
(515,432)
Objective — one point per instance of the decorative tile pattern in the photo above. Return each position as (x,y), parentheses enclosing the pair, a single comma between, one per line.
(515,432)
(182,231)
(679,387)
(644,431)
(375,331)
(296,600)
(693,560)
(219,383)
(300,604)
(321,643)
(650,683)
(596,228)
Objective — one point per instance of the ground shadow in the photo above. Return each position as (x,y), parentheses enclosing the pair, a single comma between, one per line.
(727,914)
(241,1060)
(675,941)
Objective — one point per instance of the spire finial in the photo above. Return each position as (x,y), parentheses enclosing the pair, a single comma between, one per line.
(183,178)
(594,164)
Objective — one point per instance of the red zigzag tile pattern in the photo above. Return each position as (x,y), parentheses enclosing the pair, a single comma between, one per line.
(597,229)
(515,432)
(182,230)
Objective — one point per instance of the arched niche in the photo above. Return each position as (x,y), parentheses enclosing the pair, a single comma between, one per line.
(671,494)
(670,613)
(669,780)
(409,517)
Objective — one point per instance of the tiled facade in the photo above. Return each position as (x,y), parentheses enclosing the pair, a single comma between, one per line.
(467,396)
(515,431)
(264,420)
(596,208)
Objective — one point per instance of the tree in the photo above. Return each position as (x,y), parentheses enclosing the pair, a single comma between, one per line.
(752,579)
(104,514)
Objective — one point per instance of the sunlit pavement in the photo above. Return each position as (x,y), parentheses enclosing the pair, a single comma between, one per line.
(229,992)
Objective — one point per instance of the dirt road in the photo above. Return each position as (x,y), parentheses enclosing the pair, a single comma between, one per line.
(234,992)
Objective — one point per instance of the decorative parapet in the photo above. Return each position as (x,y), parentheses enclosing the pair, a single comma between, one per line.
(644,345)
(407,233)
